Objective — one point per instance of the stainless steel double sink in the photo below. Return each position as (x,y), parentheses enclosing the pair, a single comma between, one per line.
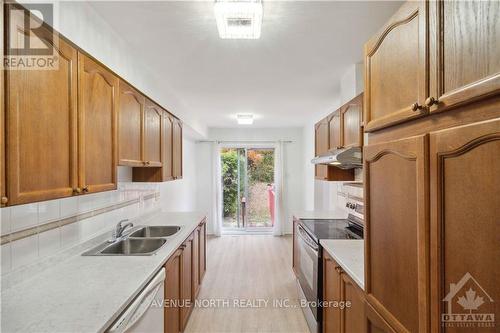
(140,241)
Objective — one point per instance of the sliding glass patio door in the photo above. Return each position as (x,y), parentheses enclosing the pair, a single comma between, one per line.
(247,188)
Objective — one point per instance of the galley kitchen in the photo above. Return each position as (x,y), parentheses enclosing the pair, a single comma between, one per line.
(250,166)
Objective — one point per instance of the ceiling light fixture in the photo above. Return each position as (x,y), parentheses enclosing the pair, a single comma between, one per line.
(244,119)
(238,19)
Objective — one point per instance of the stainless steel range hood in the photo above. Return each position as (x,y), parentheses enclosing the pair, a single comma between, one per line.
(346,158)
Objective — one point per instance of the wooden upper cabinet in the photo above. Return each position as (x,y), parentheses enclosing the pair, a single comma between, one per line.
(177,149)
(396,75)
(335,131)
(351,115)
(465,211)
(322,138)
(331,292)
(167,146)
(466,52)
(130,126)
(97,138)
(41,151)
(396,223)
(152,134)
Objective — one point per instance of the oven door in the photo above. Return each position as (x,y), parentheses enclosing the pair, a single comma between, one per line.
(308,270)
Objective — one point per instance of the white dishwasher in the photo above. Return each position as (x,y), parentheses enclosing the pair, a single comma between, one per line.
(142,316)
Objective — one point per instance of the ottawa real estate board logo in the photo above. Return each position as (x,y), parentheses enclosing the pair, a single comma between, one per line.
(31,42)
(468,305)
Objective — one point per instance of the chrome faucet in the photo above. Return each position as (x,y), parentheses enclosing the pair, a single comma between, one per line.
(120,229)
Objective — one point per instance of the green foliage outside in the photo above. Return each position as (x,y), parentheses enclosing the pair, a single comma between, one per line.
(260,170)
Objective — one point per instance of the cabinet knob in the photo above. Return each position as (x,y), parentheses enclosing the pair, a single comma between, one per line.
(4,200)
(148,162)
(85,189)
(415,106)
(77,190)
(431,101)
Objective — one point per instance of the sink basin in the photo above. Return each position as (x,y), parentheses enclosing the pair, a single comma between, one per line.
(156,231)
(128,247)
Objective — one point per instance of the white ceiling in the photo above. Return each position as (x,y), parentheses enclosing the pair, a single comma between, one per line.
(288,77)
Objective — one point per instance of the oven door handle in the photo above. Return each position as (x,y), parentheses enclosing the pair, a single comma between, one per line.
(307,239)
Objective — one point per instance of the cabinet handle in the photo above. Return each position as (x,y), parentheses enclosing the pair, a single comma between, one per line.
(85,189)
(77,190)
(148,162)
(431,101)
(4,200)
(338,269)
(416,107)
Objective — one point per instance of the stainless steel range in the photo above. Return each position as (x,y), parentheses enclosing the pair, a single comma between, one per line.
(309,260)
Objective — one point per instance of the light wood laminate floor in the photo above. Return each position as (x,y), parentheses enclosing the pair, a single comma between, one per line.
(248,267)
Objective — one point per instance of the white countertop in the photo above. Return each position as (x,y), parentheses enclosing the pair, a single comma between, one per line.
(320,214)
(86,294)
(350,255)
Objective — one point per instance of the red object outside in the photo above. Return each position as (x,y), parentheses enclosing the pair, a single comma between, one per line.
(270,192)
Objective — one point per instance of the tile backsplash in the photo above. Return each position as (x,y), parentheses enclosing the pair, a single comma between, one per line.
(100,212)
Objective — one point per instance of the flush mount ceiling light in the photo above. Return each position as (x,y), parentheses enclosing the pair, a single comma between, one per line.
(238,19)
(244,119)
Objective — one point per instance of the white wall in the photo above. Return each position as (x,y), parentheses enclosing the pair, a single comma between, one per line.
(293,197)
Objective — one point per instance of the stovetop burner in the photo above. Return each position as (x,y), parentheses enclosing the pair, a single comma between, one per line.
(334,229)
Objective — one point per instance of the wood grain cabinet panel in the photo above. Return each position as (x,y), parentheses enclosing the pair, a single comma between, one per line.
(173,293)
(353,316)
(97,138)
(41,122)
(396,231)
(203,250)
(332,284)
(352,131)
(177,149)
(396,68)
(195,281)
(152,134)
(374,322)
(335,131)
(130,126)
(467,51)
(186,281)
(167,146)
(322,137)
(465,212)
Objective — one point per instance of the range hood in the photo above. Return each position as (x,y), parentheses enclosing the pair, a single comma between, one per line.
(345,158)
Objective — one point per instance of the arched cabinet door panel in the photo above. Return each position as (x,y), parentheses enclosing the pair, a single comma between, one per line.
(97,113)
(396,216)
(152,134)
(130,126)
(41,122)
(465,212)
(396,68)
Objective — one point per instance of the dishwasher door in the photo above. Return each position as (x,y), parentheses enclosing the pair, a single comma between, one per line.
(146,312)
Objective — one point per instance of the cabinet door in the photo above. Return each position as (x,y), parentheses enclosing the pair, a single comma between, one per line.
(203,250)
(353,316)
(167,146)
(3,195)
(97,141)
(396,215)
(335,130)
(186,280)
(466,50)
(331,293)
(374,322)
(177,149)
(152,134)
(465,228)
(173,293)
(130,126)
(396,75)
(41,150)
(196,263)
(321,137)
(352,133)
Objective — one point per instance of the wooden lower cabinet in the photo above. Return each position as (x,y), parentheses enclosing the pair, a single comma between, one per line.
(396,229)
(374,322)
(339,287)
(173,293)
(183,279)
(465,216)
